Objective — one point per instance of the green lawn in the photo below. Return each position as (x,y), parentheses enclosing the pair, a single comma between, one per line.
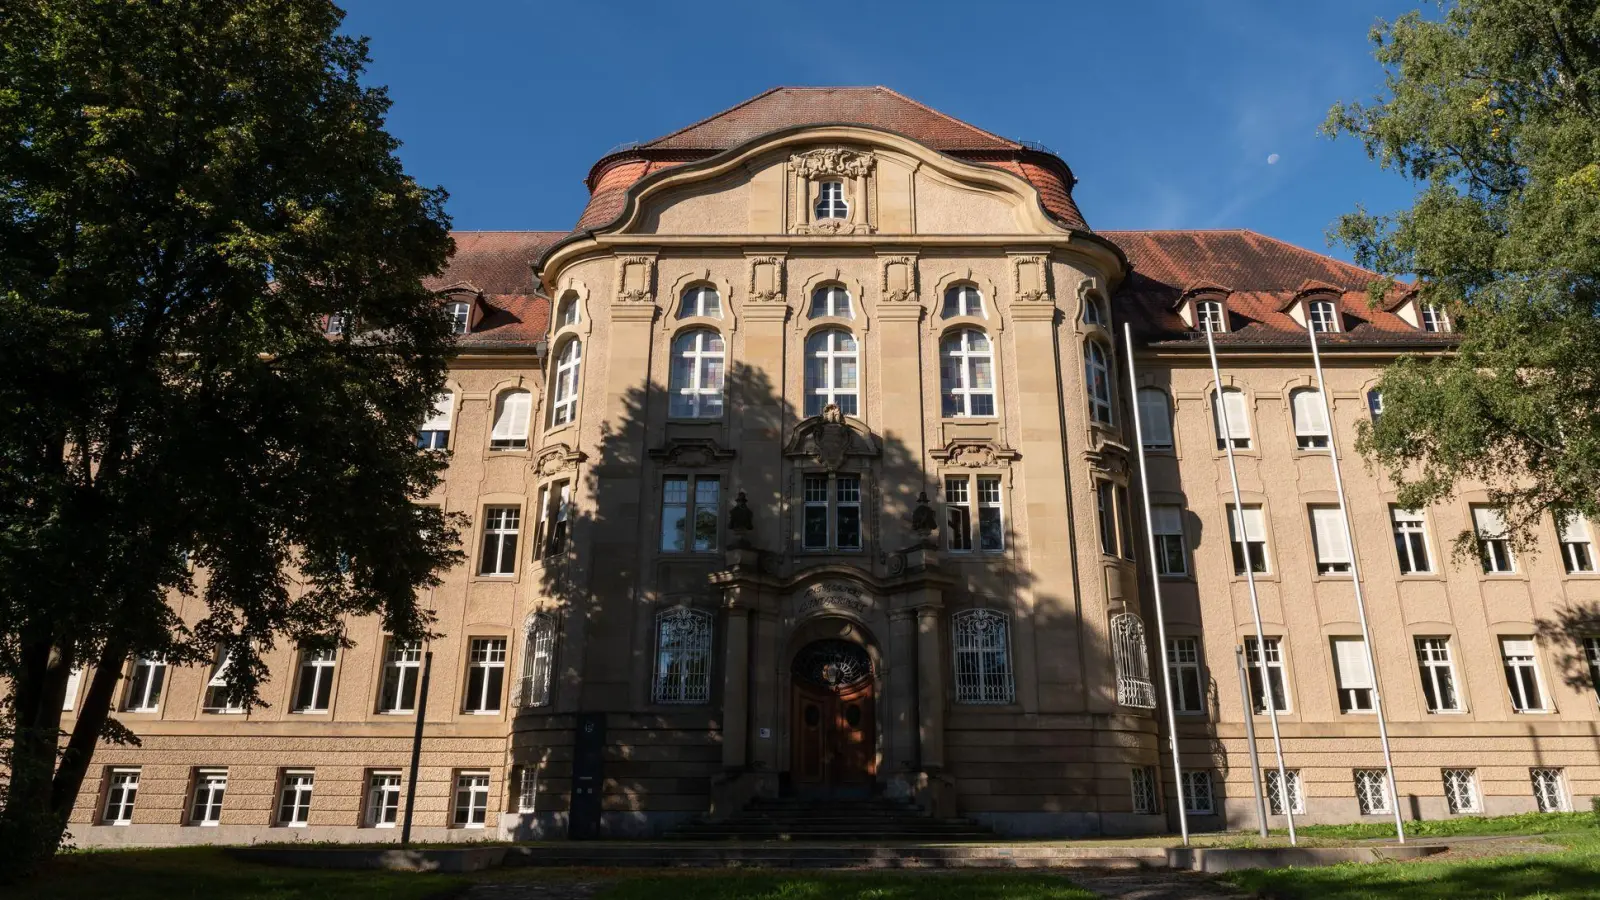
(1526,823)
(725,885)
(1573,873)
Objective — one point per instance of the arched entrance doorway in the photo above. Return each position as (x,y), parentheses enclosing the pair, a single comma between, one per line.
(833,734)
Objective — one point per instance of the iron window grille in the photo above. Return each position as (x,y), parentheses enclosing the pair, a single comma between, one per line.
(1549,791)
(1144,790)
(1372,792)
(1132,662)
(1275,792)
(982,657)
(1195,786)
(538,661)
(1461,790)
(683,656)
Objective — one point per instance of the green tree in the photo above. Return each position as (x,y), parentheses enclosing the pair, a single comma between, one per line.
(1493,109)
(188,190)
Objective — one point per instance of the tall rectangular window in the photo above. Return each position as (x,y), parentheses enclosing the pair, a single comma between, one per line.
(1591,652)
(527,789)
(1438,675)
(435,431)
(122,788)
(538,660)
(1327,532)
(1577,546)
(486,675)
(501,525)
(1144,790)
(1275,792)
(1275,676)
(1237,428)
(1522,674)
(314,691)
(689,509)
(1247,529)
(832,513)
(965,501)
(1372,792)
(982,657)
(1549,790)
(1155,419)
(958,515)
(1106,511)
(472,800)
(219,697)
(683,656)
(69,698)
(1183,671)
(144,687)
(1172,552)
(555,505)
(402,666)
(209,787)
(1494,544)
(1355,679)
(383,799)
(1461,790)
(1310,419)
(294,798)
(1411,541)
(991,530)
(1195,786)
(512,410)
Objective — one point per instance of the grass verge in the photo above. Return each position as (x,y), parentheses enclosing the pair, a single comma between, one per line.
(714,884)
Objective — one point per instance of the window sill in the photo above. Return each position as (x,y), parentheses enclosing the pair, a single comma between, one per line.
(695,420)
(1177,578)
(1309,452)
(480,713)
(1419,577)
(1447,712)
(1237,452)
(1259,576)
(1196,714)
(557,429)
(1504,576)
(1533,712)
(308,712)
(493,452)
(975,420)
(508,578)
(396,713)
(1580,576)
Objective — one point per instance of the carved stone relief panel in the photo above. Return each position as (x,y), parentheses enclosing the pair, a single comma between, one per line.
(636,279)
(898,281)
(849,213)
(766,279)
(1030,279)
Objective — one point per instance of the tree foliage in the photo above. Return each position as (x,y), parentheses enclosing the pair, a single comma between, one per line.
(189,465)
(1493,109)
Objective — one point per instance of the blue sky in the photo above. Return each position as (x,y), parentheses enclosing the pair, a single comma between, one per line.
(1168,112)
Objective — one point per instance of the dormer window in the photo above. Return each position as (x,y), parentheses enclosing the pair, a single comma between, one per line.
(460,312)
(830,201)
(1434,319)
(1209,315)
(337,323)
(1323,316)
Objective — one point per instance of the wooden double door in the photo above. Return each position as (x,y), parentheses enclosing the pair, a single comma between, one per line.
(833,735)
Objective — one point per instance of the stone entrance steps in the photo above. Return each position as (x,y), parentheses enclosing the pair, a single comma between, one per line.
(876,820)
(808,855)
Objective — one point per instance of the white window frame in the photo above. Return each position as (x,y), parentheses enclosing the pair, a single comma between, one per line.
(502,529)
(831,354)
(1195,788)
(337,324)
(960,361)
(974,514)
(683,656)
(696,375)
(205,803)
(1352,675)
(568,310)
(1155,419)
(1524,682)
(700,301)
(435,431)
(538,660)
(319,664)
(1252,522)
(832,301)
(1297,796)
(1577,542)
(963,300)
(1143,783)
(1372,792)
(460,313)
(696,506)
(1322,316)
(1412,548)
(513,410)
(1550,789)
(1238,411)
(1461,795)
(1277,676)
(555,512)
(1375,404)
(383,798)
(981,657)
(527,788)
(1591,654)
(1494,545)
(469,807)
(1183,656)
(1311,430)
(1172,545)
(831,201)
(564,399)
(218,699)
(1210,315)
(1330,541)
(122,792)
(1094,311)
(295,788)
(144,695)
(1132,663)
(69,698)
(1097,377)
(1434,318)
(1434,658)
(402,665)
(486,662)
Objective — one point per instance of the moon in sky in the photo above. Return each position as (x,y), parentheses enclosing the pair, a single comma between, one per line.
(1272,160)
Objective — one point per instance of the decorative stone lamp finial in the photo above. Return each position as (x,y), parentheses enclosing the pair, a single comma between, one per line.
(923,521)
(741,521)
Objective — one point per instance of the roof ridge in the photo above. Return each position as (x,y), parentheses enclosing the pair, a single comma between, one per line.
(743,103)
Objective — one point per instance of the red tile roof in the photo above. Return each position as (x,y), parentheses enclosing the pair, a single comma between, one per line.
(498,266)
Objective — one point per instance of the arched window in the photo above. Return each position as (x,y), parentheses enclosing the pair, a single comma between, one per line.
(1094,312)
(1097,372)
(567,310)
(564,403)
(1238,424)
(830,200)
(511,411)
(700,300)
(695,382)
(963,300)
(831,300)
(1210,315)
(538,660)
(460,312)
(1310,420)
(683,656)
(966,373)
(1324,316)
(982,657)
(832,367)
(1134,687)
(1155,419)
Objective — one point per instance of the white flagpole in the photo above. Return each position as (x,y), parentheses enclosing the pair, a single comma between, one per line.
(1155,580)
(1355,578)
(1255,600)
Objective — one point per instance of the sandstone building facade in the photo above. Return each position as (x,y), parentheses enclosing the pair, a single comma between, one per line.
(804,465)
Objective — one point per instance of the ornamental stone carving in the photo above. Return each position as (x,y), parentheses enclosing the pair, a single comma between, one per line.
(635,279)
(691,453)
(975,453)
(832,161)
(557,459)
(766,279)
(1030,279)
(898,279)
